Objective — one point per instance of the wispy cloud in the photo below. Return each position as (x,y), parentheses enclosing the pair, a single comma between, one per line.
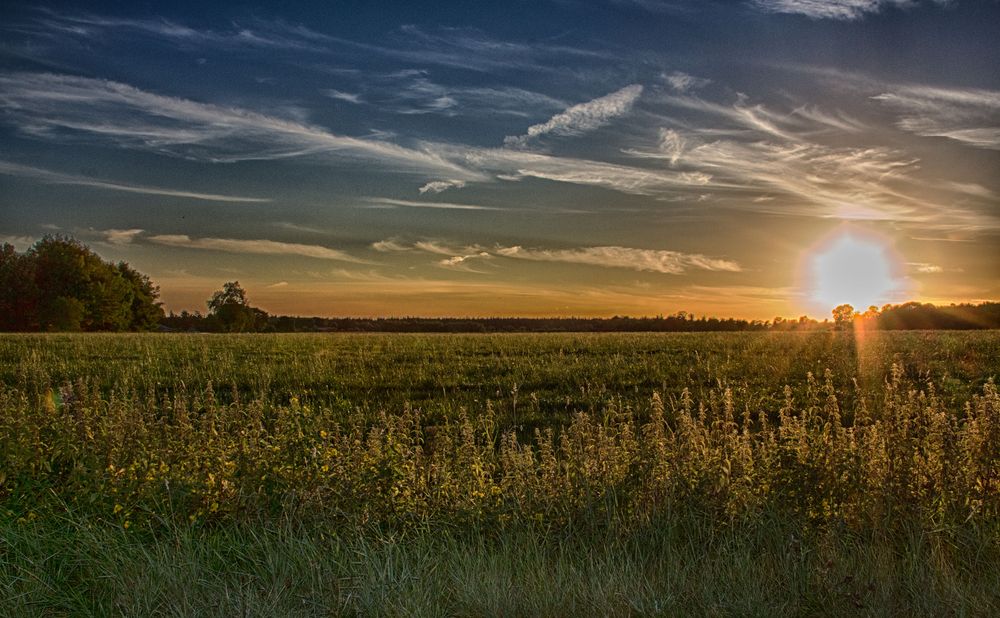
(383,202)
(465,262)
(121,237)
(64,107)
(513,165)
(581,117)
(269,35)
(295,227)
(969,116)
(648,260)
(343,96)
(462,48)
(407,93)
(829,9)
(926,269)
(682,82)
(671,144)
(48,176)
(437,186)
(439,248)
(748,149)
(651,260)
(389,245)
(258,247)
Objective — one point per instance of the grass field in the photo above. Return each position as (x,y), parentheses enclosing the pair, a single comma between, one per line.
(718,474)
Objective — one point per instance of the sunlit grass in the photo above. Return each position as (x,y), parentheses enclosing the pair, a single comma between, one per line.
(660,474)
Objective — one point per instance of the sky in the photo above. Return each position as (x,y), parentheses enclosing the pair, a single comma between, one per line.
(520,158)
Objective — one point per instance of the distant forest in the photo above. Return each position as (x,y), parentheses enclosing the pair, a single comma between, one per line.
(908,316)
(61,285)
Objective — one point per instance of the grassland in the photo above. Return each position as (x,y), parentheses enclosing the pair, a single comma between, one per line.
(728,474)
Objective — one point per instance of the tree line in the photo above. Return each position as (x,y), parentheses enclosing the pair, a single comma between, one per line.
(60,284)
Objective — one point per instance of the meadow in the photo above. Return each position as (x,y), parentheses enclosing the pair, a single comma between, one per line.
(826,473)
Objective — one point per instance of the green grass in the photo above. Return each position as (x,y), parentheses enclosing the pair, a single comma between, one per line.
(686,566)
(687,474)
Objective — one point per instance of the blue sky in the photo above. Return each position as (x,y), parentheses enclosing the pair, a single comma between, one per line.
(521,158)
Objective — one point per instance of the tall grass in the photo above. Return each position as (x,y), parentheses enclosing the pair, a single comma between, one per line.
(867,491)
(684,566)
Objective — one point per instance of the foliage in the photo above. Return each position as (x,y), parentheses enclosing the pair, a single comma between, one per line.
(882,450)
(230,310)
(61,285)
(843,315)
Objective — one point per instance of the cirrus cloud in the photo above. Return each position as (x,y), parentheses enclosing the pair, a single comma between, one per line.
(582,117)
(254,246)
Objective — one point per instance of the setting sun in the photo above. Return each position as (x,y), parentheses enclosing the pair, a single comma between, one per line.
(853,269)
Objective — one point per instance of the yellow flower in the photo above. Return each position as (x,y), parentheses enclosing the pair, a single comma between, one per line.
(118,508)
(127,524)
(323,434)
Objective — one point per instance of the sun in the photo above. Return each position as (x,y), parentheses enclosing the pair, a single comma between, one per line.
(851,267)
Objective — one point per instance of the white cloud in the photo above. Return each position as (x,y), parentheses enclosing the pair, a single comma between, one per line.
(279,284)
(513,165)
(121,237)
(388,245)
(259,247)
(461,262)
(652,260)
(273,36)
(437,186)
(392,203)
(926,269)
(969,116)
(671,144)
(682,82)
(14,169)
(649,260)
(829,9)
(62,107)
(409,93)
(439,248)
(582,117)
(295,227)
(343,96)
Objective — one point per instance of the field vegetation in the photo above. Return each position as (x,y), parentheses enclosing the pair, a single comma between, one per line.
(727,474)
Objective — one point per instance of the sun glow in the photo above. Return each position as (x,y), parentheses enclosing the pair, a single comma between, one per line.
(854,268)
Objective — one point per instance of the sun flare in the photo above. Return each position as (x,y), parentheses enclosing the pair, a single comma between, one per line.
(851,268)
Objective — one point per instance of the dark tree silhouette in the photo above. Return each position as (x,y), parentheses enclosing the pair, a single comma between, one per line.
(18,292)
(230,309)
(60,284)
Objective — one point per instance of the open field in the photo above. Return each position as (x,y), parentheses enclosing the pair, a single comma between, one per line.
(725,474)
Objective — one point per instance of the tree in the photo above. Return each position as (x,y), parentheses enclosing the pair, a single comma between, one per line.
(18,293)
(60,284)
(146,311)
(843,315)
(231,309)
